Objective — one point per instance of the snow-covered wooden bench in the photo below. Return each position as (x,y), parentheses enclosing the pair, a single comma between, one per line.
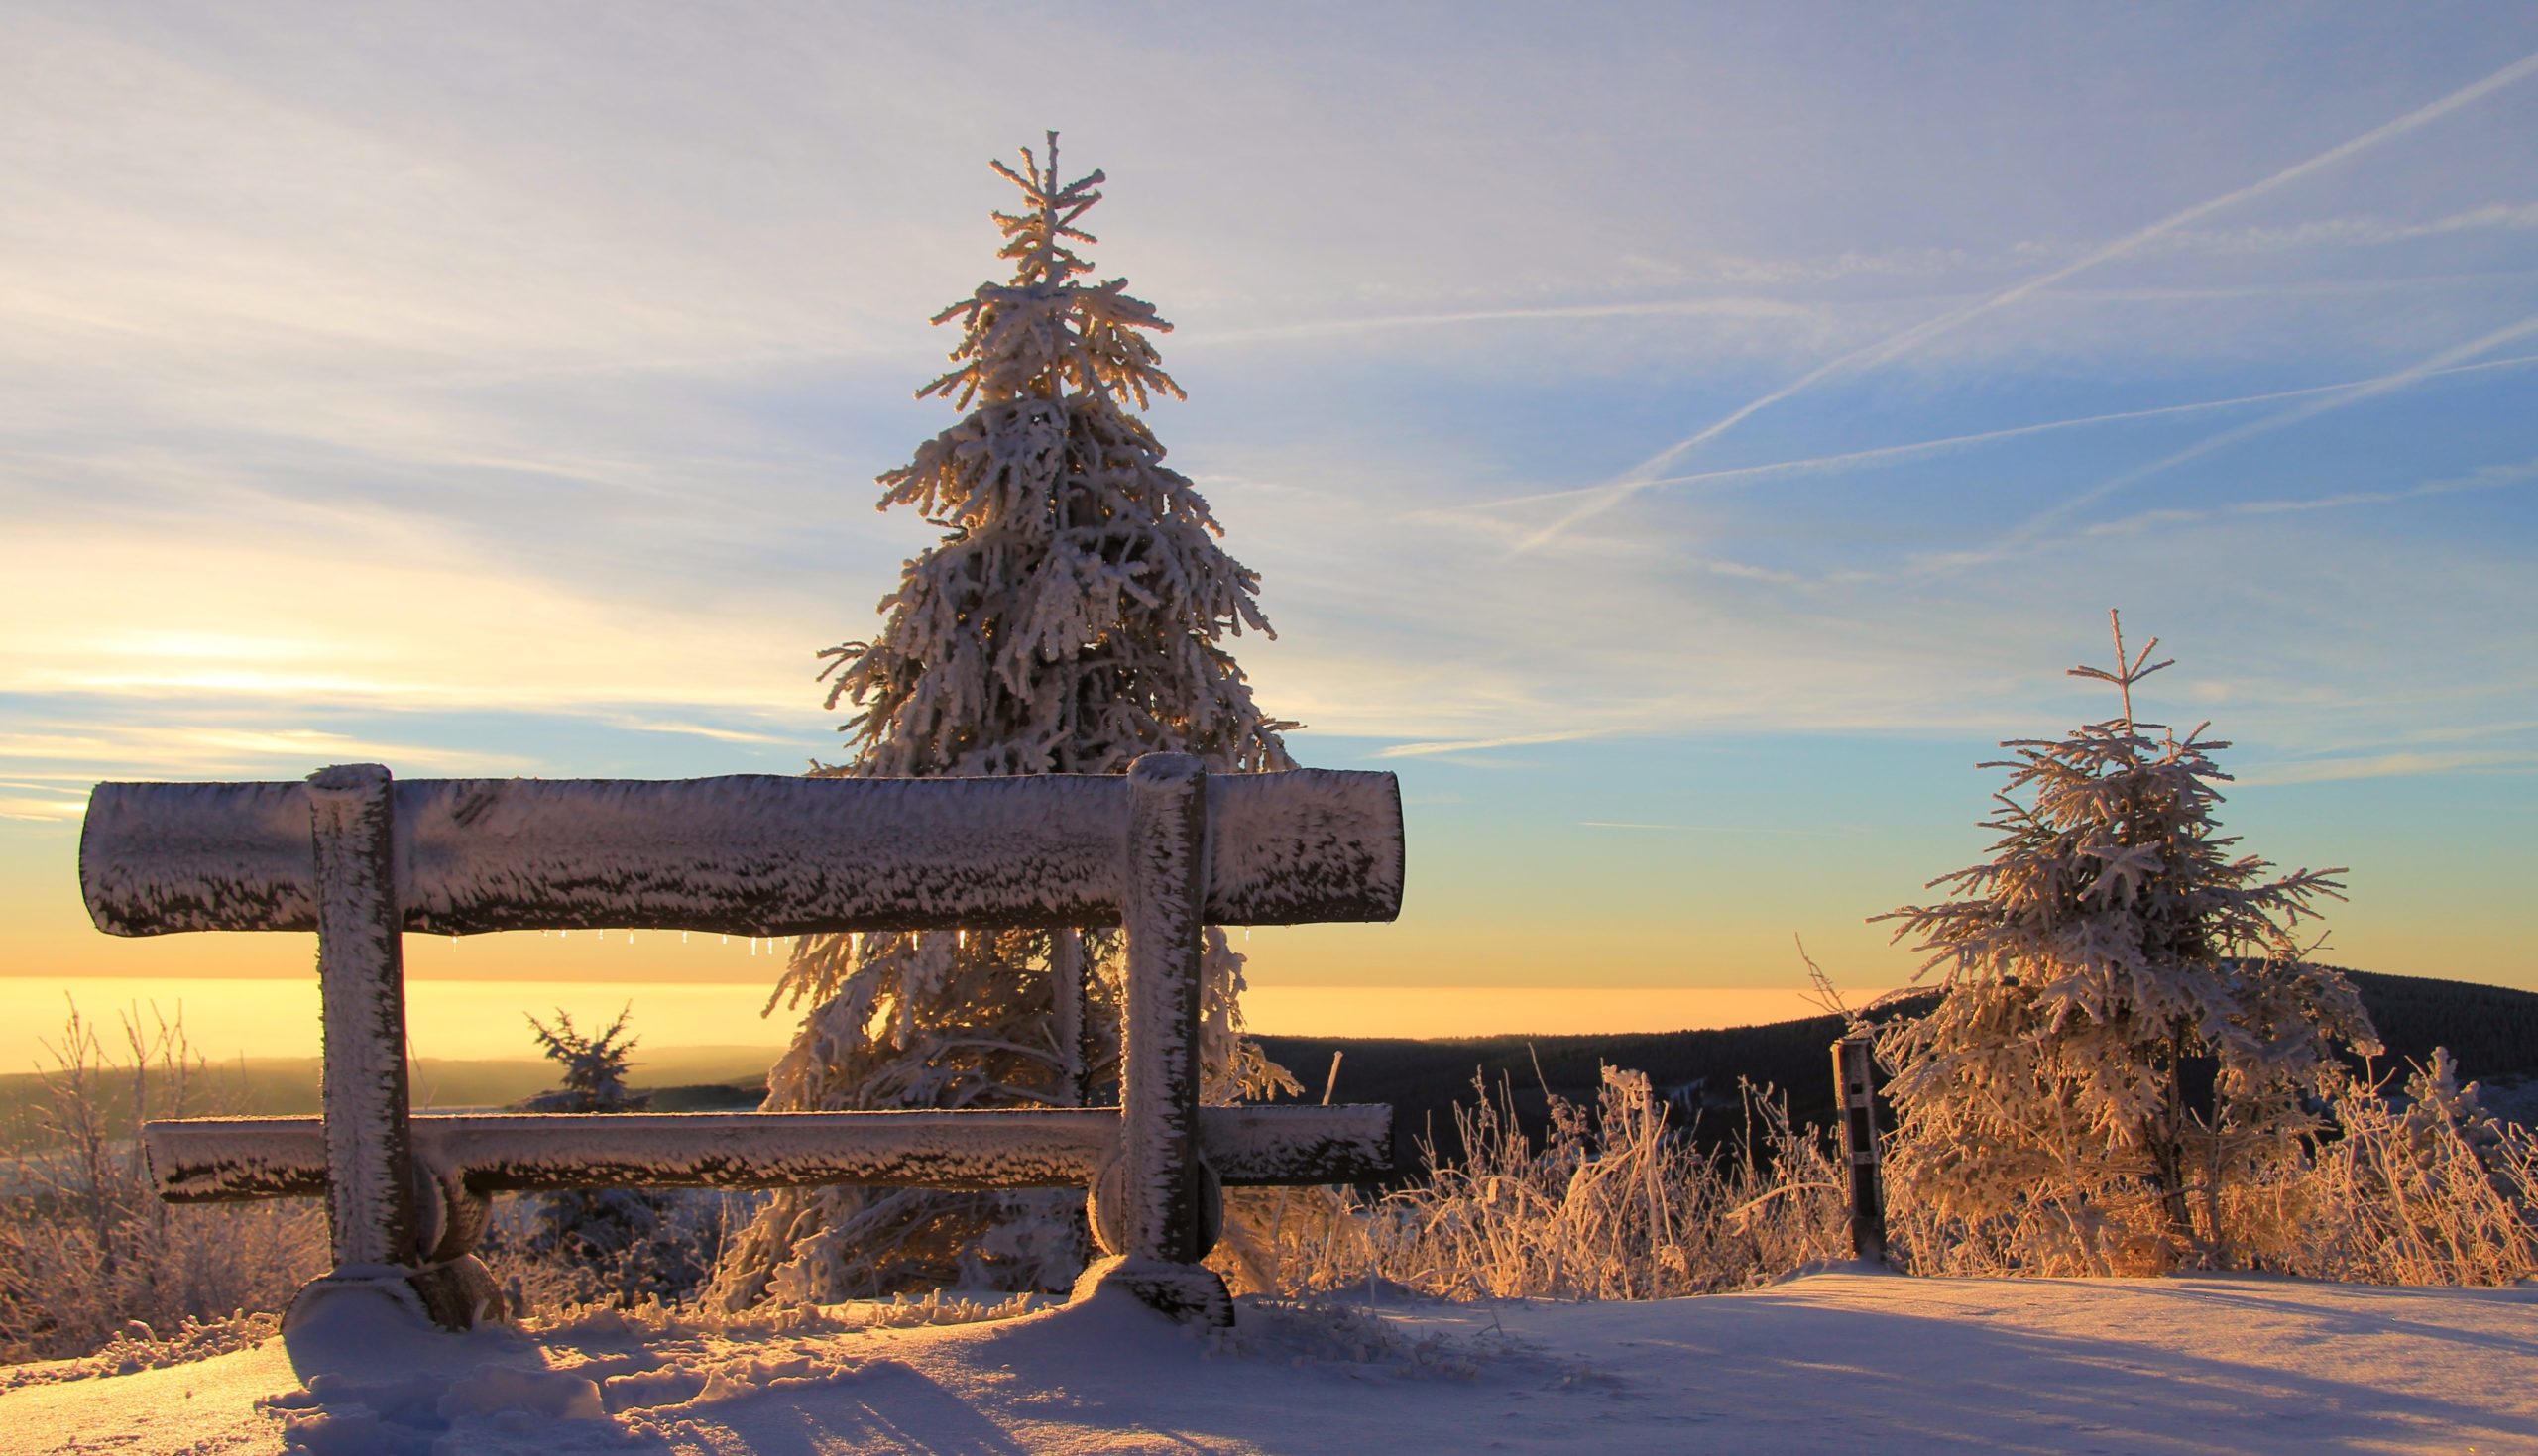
(360,860)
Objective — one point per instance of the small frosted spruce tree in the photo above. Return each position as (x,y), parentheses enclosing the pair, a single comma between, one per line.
(1072,617)
(2112,954)
(616,1241)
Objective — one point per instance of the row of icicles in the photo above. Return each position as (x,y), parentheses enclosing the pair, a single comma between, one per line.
(755,941)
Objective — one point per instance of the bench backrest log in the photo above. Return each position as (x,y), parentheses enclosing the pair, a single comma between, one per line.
(745,854)
(359,859)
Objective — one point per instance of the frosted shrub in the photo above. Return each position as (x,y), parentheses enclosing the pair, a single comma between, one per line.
(1614,1204)
(661,1256)
(2426,1189)
(88,1254)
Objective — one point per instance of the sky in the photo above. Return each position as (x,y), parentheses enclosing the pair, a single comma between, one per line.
(1678,441)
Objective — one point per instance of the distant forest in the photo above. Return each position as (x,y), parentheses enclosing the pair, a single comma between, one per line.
(2491,1030)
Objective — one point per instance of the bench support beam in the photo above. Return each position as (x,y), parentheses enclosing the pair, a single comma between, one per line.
(219,1160)
(361,977)
(376,1241)
(1157,1210)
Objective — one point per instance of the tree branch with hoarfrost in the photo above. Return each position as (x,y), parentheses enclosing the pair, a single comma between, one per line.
(1075,615)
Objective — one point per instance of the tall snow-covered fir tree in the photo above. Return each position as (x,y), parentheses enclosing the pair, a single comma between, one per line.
(1072,617)
(2113,955)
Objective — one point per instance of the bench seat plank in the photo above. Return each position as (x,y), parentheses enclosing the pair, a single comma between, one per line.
(224,1158)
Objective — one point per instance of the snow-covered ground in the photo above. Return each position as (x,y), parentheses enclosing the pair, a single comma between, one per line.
(1840,1360)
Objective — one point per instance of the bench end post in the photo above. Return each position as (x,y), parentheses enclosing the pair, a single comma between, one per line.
(371,1224)
(1163,1223)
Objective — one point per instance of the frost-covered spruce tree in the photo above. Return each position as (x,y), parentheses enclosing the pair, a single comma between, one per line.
(1072,617)
(593,1067)
(2113,954)
(617,1242)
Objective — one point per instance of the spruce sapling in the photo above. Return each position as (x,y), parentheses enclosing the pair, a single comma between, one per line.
(2113,953)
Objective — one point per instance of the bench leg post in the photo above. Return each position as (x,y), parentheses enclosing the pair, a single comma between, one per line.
(1163,1218)
(371,1220)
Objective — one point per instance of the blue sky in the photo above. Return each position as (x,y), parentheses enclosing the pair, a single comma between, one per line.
(1680,441)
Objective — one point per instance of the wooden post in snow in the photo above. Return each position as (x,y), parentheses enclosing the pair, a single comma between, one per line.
(1158,1071)
(361,987)
(1854,1080)
(1162,1217)
(380,1241)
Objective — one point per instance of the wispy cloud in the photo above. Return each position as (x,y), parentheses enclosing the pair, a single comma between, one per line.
(2455,732)
(701,731)
(1342,326)
(41,803)
(196,750)
(2486,478)
(1635,480)
(1477,745)
(1722,828)
(2399,764)
(375,611)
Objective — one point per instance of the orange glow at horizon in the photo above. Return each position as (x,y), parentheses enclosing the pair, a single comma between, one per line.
(227,1018)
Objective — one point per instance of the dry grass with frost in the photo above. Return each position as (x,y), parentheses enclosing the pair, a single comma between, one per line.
(2423,1187)
(1613,1204)
(89,1257)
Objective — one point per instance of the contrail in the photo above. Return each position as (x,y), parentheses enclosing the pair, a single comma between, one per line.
(1636,479)
(2482,478)
(2441,363)
(1815,463)
(1736,306)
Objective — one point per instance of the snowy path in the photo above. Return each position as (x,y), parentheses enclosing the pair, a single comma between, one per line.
(1828,1362)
